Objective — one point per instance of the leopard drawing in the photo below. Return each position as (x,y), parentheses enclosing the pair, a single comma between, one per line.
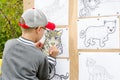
(53,37)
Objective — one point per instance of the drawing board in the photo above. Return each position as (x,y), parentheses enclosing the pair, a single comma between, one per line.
(58,37)
(96,13)
(99,66)
(55,10)
(98,7)
(98,33)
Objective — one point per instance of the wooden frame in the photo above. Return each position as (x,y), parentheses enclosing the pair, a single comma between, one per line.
(73,51)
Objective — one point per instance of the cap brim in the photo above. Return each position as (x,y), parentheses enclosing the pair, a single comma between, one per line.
(50,26)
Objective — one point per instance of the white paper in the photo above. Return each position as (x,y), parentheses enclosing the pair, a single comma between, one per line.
(98,7)
(55,10)
(62,70)
(64,42)
(99,66)
(98,33)
(59,38)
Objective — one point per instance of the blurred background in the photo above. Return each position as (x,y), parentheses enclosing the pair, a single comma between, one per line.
(10,12)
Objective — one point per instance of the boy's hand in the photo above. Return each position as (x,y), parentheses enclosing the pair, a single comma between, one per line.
(39,45)
(53,51)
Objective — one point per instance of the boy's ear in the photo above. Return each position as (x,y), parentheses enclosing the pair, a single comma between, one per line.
(38,30)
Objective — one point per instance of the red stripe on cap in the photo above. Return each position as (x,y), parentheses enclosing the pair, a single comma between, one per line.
(50,26)
(23,25)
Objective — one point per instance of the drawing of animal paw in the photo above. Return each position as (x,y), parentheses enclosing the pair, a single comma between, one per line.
(102,44)
(84,12)
(87,43)
(92,43)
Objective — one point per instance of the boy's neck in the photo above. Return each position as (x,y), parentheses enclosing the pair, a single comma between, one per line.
(29,37)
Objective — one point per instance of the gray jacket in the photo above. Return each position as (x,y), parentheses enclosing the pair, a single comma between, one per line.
(23,61)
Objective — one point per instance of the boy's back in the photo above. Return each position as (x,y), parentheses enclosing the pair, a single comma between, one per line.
(23,61)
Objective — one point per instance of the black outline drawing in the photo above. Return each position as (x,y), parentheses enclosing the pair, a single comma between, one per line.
(55,76)
(97,72)
(101,33)
(88,6)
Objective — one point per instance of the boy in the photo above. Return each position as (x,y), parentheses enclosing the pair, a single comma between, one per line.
(22,57)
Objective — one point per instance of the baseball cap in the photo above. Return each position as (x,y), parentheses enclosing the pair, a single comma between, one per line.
(34,18)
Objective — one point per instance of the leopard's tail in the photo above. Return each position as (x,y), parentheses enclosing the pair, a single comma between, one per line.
(82,34)
(65,76)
